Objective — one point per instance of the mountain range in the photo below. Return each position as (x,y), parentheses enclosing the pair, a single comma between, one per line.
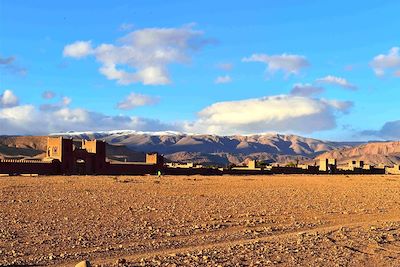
(387,153)
(205,149)
(129,145)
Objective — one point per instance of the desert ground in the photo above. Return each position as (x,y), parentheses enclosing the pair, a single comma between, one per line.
(286,220)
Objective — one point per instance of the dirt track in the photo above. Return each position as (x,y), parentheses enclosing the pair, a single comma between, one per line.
(197,220)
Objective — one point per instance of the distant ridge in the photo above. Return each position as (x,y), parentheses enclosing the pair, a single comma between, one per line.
(387,153)
(215,149)
(128,145)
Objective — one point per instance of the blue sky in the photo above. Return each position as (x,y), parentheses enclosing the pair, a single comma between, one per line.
(219,68)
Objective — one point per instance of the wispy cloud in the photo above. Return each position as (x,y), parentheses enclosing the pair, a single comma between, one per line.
(342,82)
(134,100)
(225,66)
(287,63)
(307,89)
(223,79)
(148,51)
(9,64)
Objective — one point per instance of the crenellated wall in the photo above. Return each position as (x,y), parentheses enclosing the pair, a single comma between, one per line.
(14,167)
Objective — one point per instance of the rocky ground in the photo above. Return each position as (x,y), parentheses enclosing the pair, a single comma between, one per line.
(196,220)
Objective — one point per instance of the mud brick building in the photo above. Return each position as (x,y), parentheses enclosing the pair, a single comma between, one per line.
(63,157)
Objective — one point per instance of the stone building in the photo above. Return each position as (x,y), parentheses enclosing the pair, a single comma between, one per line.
(327,165)
(85,158)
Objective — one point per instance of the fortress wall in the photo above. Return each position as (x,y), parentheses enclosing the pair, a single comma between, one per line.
(29,167)
(359,171)
(293,170)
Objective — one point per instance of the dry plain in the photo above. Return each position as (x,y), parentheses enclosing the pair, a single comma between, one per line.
(286,220)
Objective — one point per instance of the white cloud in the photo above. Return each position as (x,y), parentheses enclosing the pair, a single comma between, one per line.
(307,89)
(382,62)
(27,119)
(18,113)
(8,99)
(337,81)
(273,113)
(20,120)
(284,113)
(289,64)
(223,79)
(134,100)
(48,94)
(147,51)
(78,49)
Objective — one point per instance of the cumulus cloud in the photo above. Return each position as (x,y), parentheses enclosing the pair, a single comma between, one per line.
(134,100)
(27,119)
(9,64)
(48,94)
(19,120)
(383,62)
(342,82)
(142,55)
(287,63)
(272,113)
(285,113)
(225,66)
(78,49)
(390,130)
(307,89)
(223,79)
(8,99)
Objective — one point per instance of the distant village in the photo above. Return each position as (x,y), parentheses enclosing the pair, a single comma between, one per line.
(63,158)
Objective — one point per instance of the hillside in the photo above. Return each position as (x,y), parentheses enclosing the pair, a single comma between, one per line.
(387,153)
(22,147)
(214,149)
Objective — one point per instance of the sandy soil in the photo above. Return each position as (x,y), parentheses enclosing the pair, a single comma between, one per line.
(197,220)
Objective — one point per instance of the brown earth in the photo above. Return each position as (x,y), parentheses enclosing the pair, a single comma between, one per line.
(201,221)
